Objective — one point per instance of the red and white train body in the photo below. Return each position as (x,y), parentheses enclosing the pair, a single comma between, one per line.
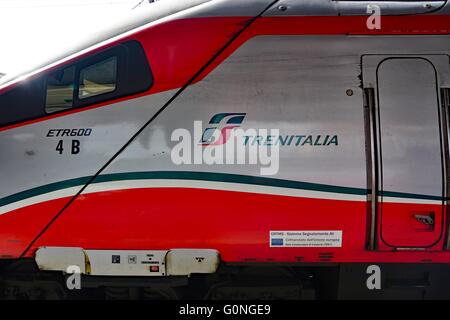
(86,141)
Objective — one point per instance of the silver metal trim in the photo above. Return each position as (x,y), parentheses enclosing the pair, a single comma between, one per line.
(445,103)
(355,7)
(370,102)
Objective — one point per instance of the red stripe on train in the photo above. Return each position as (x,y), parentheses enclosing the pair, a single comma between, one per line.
(235,223)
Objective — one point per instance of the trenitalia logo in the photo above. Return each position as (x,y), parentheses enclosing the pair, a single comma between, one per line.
(220,130)
(222,143)
(222,123)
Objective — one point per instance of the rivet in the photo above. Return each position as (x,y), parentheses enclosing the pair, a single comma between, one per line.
(282,7)
(349,92)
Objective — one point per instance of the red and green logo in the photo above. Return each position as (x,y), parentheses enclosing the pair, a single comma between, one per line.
(219,129)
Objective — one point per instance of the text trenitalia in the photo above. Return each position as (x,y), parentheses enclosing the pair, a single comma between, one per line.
(292,140)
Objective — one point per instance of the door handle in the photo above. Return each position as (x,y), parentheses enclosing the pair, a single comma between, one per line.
(426,219)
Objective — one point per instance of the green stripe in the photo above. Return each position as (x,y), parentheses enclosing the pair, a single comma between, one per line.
(393,194)
(233,178)
(203,176)
(43,189)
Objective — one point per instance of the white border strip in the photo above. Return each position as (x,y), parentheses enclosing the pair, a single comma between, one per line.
(217,185)
(386,199)
(202,184)
(181,183)
(68,192)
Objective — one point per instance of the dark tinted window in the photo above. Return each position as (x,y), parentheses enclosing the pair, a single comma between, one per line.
(116,72)
(98,78)
(23,102)
(60,87)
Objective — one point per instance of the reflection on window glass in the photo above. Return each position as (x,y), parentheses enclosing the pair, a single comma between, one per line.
(98,78)
(60,90)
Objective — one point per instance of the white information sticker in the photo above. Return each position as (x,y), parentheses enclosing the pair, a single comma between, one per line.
(306,239)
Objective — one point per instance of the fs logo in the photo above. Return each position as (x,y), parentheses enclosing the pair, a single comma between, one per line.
(219,129)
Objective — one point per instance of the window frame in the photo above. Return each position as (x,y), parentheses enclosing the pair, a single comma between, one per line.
(121,74)
(46,80)
(119,52)
(116,64)
(27,100)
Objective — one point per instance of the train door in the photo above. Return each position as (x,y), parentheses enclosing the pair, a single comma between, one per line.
(407,139)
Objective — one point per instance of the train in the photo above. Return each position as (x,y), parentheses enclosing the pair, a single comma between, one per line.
(231,149)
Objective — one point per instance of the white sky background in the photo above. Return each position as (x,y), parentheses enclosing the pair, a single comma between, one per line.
(30,29)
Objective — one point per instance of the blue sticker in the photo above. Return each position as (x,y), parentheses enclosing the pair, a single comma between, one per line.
(277,242)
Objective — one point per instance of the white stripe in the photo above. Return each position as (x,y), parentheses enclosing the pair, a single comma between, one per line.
(68,192)
(201,184)
(386,199)
(173,183)
(216,185)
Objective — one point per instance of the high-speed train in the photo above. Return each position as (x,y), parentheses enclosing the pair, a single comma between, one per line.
(112,155)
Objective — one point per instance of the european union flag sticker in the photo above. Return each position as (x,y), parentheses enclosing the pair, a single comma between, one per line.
(277,242)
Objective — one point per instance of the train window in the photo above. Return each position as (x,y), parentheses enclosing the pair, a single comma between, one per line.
(98,78)
(60,86)
(116,72)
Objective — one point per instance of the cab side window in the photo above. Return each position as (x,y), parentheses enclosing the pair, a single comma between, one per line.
(98,78)
(113,73)
(84,83)
(60,88)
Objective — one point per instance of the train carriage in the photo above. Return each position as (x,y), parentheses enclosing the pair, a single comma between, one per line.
(357,114)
